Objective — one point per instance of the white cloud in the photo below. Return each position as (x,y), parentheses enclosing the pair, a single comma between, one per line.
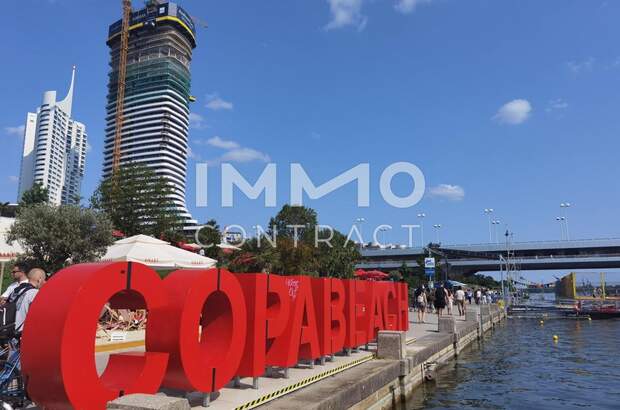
(242,154)
(409,6)
(234,151)
(15,131)
(196,121)
(580,66)
(514,112)
(346,13)
(447,191)
(556,105)
(13,179)
(222,143)
(216,103)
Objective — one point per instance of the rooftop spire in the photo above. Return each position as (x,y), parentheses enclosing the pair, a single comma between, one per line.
(67,103)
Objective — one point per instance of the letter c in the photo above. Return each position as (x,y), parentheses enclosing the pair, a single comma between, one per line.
(58,343)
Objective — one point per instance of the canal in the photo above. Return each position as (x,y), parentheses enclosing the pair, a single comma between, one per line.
(519,366)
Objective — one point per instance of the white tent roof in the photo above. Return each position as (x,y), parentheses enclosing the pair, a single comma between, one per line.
(155,253)
(7,252)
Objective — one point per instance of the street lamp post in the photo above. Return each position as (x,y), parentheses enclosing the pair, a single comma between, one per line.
(359,222)
(383,229)
(488,212)
(565,206)
(437,228)
(422,216)
(495,223)
(561,220)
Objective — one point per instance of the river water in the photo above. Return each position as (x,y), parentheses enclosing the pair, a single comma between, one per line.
(519,366)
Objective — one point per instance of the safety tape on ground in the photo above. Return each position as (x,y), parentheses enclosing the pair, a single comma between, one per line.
(118,346)
(302,383)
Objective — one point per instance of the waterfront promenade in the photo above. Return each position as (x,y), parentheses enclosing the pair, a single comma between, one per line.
(359,379)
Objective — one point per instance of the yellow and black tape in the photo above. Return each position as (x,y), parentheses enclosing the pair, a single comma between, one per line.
(302,383)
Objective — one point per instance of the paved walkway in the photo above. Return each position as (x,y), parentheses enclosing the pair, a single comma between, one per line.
(231,397)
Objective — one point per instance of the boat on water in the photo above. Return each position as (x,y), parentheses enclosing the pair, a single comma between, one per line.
(601,312)
(598,309)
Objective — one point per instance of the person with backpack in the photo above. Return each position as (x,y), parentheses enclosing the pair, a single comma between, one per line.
(14,313)
(36,279)
(441,298)
(19,277)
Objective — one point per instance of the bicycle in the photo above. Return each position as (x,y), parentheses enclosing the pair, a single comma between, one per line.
(13,393)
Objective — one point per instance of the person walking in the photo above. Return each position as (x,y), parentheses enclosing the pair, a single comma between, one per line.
(460,300)
(430,299)
(441,297)
(450,300)
(421,303)
(477,296)
(470,295)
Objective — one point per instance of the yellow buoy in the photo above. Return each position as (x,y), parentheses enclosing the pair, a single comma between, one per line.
(542,322)
(555,338)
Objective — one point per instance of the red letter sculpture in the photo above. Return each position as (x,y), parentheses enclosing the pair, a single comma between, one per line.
(58,349)
(200,360)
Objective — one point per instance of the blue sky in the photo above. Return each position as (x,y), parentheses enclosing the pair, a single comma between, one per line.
(506,104)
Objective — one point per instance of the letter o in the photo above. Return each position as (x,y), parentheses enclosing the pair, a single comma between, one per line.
(386,188)
(203,329)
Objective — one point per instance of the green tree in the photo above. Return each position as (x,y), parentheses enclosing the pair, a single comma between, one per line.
(53,237)
(301,257)
(138,201)
(283,222)
(339,259)
(38,194)
(210,236)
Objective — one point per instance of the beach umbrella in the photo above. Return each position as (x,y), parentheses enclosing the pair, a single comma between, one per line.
(155,253)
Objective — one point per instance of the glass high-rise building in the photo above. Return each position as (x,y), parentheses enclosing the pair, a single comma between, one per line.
(54,153)
(157,95)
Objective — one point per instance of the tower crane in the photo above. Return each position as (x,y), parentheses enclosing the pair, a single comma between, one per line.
(120,91)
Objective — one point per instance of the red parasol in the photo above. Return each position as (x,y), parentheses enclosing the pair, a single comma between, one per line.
(371,274)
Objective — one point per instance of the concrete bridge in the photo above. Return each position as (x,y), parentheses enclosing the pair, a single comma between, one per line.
(469,259)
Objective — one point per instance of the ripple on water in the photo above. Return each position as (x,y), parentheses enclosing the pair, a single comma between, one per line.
(518,366)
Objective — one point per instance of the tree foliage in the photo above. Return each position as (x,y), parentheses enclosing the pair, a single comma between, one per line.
(339,259)
(53,237)
(38,194)
(138,201)
(289,216)
(210,236)
(304,256)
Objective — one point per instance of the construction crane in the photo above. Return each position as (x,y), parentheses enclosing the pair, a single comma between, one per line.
(120,91)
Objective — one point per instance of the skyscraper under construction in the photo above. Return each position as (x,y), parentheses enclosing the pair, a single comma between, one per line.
(157,94)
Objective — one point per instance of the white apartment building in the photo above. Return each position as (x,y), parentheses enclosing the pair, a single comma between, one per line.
(54,149)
